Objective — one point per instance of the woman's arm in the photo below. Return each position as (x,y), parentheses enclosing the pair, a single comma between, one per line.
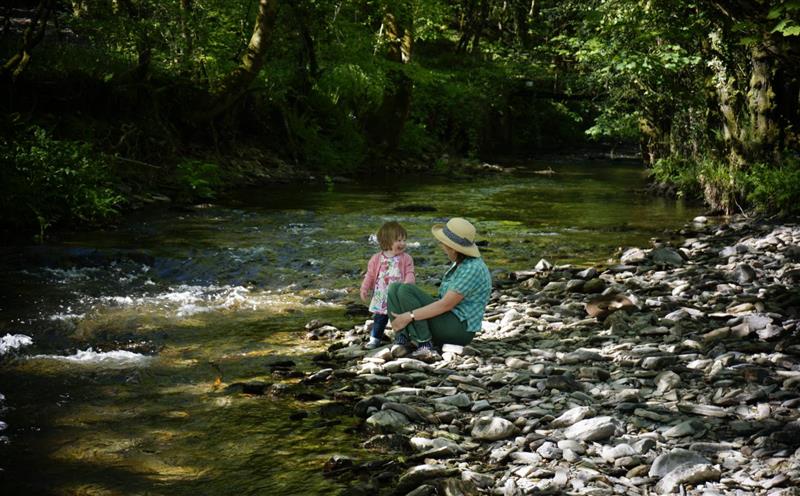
(438,307)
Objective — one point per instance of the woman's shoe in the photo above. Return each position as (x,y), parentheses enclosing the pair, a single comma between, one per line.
(373,343)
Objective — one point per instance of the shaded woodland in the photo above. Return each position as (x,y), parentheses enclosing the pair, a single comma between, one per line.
(107,101)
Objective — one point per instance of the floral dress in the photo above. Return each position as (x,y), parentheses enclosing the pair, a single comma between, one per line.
(388,273)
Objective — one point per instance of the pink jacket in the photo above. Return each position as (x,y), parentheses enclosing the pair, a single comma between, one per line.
(374,265)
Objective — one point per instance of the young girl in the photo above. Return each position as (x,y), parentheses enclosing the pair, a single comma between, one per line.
(391,264)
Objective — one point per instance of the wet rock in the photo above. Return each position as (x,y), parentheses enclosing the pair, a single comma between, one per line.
(666,257)
(255,388)
(298,415)
(416,476)
(337,462)
(388,421)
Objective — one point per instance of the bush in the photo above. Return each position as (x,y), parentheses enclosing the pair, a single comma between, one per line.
(199,179)
(775,189)
(46,181)
(680,173)
(713,180)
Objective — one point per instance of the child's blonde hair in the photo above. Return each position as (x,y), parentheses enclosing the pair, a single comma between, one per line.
(389,233)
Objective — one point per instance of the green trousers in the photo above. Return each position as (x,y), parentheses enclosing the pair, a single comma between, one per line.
(446,328)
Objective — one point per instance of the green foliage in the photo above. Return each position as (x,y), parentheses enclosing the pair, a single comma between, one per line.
(416,140)
(775,188)
(722,185)
(713,180)
(335,145)
(199,179)
(46,181)
(354,90)
(680,173)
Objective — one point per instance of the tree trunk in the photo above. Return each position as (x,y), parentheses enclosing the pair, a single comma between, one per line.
(234,86)
(386,125)
(761,105)
(467,26)
(656,138)
(187,11)
(479,23)
(521,22)
(728,104)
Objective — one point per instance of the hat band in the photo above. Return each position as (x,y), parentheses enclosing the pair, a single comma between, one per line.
(455,238)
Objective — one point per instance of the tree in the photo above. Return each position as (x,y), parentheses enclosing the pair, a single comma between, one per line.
(397,39)
(33,35)
(239,80)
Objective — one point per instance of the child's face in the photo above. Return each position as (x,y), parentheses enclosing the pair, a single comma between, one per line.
(399,246)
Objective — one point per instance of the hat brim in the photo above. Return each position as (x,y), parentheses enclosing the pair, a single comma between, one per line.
(438,233)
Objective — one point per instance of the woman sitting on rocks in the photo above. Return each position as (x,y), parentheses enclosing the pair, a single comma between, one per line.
(455,317)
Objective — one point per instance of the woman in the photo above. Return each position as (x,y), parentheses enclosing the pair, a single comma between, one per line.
(456,315)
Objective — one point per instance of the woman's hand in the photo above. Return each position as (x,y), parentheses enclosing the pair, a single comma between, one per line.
(364,296)
(400,320)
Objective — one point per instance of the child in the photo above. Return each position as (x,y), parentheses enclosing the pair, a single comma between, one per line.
(391,264)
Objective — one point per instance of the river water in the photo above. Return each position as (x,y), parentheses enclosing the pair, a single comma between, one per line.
(119,348)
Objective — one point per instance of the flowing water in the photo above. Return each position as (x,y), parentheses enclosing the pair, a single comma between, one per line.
(119,348)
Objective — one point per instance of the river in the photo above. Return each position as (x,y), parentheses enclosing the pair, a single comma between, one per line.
(120,346)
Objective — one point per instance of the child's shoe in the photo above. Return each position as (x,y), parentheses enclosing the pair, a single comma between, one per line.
(373,343)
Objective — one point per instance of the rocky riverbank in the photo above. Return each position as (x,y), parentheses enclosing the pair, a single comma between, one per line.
(677,370)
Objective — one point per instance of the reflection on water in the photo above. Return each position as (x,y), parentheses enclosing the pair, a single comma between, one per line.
(121,346)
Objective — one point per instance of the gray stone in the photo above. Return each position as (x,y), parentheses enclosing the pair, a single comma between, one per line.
(684,428)
(744,274)
(687,474)
(666,256)
(666,381)
(493,428)
(571,416)
(460,400)
(593,429)
(388,420)
(482,481)
(526,457)
(581,356)
(549,451)
(667,462)
(659,362)
(633,256)
(416,476)
(611,453)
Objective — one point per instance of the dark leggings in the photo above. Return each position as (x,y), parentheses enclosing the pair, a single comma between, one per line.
(379,321)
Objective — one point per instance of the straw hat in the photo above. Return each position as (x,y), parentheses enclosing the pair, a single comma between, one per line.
(458,234)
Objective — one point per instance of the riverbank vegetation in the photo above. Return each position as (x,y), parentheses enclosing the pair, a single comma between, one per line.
(111,104)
